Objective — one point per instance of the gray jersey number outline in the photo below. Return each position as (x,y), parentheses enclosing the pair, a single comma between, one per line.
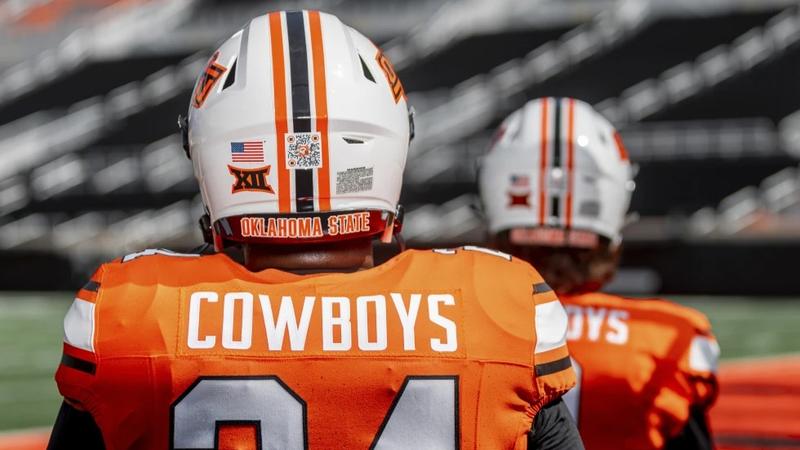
(414,420)
(266,401)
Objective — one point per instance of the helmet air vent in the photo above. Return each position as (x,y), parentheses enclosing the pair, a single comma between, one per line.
(231,78)
(365,69)
(352,140)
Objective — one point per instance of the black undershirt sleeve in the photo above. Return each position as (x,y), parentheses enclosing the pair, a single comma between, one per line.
(554,429)
(696,435)
(75,429)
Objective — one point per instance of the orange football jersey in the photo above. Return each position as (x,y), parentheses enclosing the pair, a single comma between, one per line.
(641,364)
(433,349)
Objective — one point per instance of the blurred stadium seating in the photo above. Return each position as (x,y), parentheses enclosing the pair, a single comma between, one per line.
(705,95)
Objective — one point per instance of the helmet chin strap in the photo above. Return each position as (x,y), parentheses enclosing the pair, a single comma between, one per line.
(205,229)
(553,237)
(388,232)
(210,236)
(394,224)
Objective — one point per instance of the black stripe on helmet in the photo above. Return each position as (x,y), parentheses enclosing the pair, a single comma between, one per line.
(301,109)
(557,134)
(555,200)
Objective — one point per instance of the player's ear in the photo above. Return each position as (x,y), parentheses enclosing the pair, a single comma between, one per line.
(476,205)
(604,262)
(616,252)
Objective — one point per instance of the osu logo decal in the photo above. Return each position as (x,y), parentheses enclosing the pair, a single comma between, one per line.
(391,76)
(207,81)
(250,179)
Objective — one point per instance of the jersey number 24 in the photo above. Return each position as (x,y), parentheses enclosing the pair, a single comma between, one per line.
(424,414)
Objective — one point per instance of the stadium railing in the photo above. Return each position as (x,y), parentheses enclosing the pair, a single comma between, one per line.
(473,104)
(87,121)
(691,78)
(116,32)
(99,235)
(770,210)
(458,20)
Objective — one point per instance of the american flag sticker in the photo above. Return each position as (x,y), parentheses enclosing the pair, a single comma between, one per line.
(520,181)
(247,151)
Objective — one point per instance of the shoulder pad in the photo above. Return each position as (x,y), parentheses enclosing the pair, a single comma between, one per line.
(704,354)
(157,251)
(695,318)
(484,258)
(692,317)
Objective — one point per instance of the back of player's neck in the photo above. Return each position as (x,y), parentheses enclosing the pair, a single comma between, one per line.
(347,256)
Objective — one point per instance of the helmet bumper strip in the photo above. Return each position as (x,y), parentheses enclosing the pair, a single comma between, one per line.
(300,228)
(553,237)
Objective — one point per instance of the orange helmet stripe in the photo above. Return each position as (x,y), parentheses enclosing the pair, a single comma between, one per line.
(570,159)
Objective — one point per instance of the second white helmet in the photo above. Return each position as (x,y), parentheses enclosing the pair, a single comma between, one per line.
(298,130)
(556,164)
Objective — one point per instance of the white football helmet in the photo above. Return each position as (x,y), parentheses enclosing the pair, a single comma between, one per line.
(298,130)
(554,165)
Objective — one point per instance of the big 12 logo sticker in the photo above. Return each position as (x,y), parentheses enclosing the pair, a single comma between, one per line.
(250,179)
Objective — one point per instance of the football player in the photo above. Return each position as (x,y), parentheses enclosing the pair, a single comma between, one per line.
(555,187)
(298,130)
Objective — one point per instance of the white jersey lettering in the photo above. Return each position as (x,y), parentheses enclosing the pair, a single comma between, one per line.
(339,323)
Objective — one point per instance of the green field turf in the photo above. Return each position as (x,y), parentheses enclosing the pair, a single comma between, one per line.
(31,333)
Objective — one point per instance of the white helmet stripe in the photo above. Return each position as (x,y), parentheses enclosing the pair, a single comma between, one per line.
(281,123)
(301,104)
(320,105)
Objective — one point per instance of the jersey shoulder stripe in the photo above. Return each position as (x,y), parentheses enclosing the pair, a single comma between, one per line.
(691,316)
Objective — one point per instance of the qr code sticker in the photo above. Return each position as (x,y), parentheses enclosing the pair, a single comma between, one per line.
(303,151)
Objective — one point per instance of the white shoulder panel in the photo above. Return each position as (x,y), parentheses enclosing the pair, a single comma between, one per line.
(704,354)
(79,325)
(551,326)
